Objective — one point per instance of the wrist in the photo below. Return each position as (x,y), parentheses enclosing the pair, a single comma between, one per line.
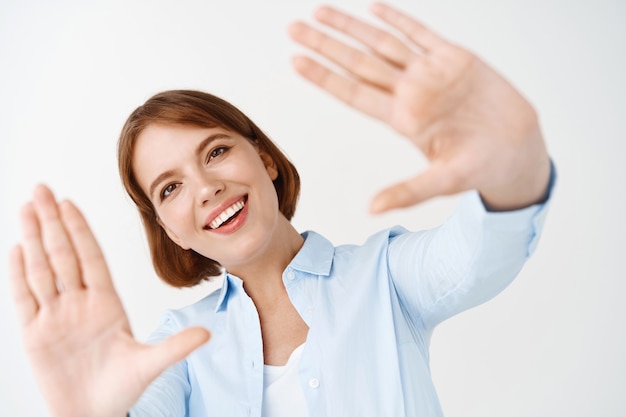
(529,190)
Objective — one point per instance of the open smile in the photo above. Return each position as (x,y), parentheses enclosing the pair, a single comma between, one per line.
(227,215)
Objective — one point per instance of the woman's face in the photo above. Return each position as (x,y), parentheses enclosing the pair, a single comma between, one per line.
(212,190)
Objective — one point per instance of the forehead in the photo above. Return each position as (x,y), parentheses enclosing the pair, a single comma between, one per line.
(179,133)
(161,136)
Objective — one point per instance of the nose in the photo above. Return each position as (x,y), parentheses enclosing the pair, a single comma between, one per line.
(208,189)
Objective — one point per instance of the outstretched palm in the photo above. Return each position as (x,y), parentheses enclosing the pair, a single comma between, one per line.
(74,327)
(473,126)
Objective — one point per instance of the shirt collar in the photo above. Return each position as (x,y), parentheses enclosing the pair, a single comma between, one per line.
(315,258)
(316,255)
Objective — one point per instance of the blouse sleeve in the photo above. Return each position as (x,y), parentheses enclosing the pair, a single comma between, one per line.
(466,261)
(167,395)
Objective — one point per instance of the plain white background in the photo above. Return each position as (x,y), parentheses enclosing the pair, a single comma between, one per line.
(554,343)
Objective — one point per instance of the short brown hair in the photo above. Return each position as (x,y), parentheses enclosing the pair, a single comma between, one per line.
(176,266)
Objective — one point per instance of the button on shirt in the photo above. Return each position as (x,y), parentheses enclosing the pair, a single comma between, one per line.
(370,309)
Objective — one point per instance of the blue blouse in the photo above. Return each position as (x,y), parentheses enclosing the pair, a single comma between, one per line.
(370,309)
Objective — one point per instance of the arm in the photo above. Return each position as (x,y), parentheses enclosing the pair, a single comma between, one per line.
(476,130)
(466,261)
(75,332)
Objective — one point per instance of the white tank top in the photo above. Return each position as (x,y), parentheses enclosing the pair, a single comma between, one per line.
(282,393)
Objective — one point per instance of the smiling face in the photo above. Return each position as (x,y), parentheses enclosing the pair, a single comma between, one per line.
(212,191)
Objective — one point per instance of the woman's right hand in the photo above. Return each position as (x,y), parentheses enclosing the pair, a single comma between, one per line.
(75,331)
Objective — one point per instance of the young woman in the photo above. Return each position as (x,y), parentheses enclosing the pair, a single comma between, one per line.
(299,327)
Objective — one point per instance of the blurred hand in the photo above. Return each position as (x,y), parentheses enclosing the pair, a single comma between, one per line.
(75,331)
(476,130)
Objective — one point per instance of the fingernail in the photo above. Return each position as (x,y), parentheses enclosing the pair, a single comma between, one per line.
(295,28)
(376,206)
(376,7)
(323,12)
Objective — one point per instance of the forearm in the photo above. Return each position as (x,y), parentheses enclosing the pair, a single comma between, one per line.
(466,261)
(491,250)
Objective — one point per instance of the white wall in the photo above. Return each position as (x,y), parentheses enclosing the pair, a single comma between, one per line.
(554,343)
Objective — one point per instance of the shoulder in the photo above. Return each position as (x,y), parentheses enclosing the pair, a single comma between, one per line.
(200,313)
(349,259)
(377,243)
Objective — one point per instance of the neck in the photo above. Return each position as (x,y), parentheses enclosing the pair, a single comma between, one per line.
(263,278)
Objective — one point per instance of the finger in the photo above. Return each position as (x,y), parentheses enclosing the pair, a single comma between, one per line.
(358,63)
(39,276)
(435,181)
(365,98)
(414,30)
(159,357)
(381,42)
(61,253)
(23,298)
(95,273)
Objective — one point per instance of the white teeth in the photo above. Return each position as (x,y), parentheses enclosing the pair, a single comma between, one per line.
(226,214)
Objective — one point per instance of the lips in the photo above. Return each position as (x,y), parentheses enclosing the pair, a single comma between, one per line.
(225,213)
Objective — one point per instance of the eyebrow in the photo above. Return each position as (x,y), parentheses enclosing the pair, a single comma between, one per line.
(199,149)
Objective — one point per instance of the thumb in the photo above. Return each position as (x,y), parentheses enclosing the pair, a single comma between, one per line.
(433,182)
(157,358)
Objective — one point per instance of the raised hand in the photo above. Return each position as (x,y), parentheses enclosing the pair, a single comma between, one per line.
(476,130)
(75,331)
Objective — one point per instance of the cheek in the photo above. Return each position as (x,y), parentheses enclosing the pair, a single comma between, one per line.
(250,171)
(176,218)
(271,196)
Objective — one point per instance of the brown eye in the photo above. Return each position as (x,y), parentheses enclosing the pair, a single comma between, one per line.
(169,189)
(217,152)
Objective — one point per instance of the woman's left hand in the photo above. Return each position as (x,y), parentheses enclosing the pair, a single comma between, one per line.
(476,130)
